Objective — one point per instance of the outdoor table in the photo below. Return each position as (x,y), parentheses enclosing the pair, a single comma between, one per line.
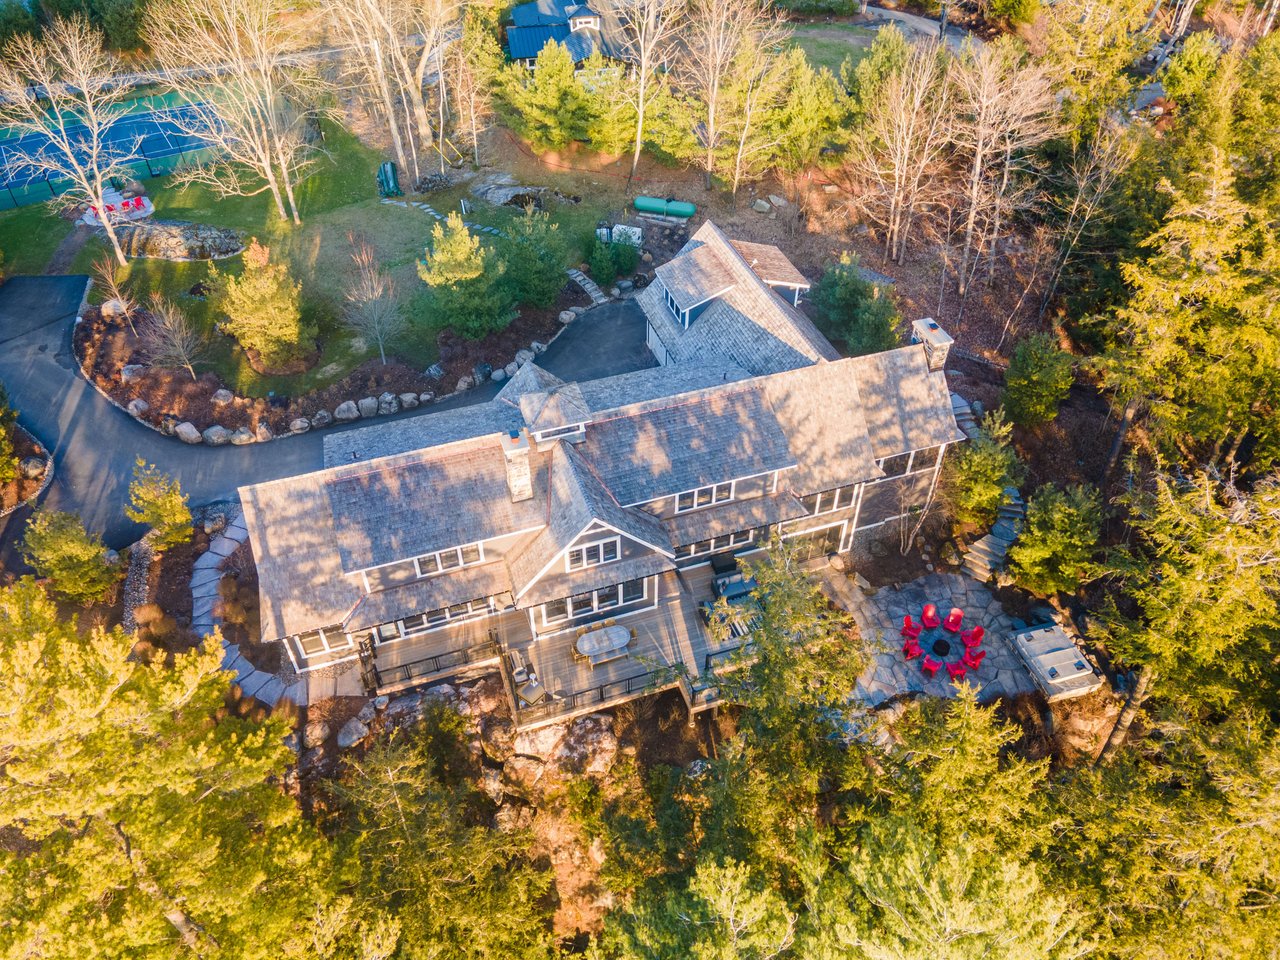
(603,640)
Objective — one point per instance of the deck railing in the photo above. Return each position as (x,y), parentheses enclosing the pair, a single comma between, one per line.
(406,673)
(595,696)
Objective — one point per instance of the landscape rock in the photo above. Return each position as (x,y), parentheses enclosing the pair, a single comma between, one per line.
(578,309)
(292,742)
(131,371)
(177,240)
(626,286)
(589,747)
(380,702)
(263,433)
(347,410)
(426,397)
(321,418)
(491,784)
(497,738)
(538,347)
(169,424)
(511,368)
(113,308)
(761,206)
(615,292)
(502,189)
(540,743)
(223,397)
(352,732)
(498,375)
(464,383)
(138,407)
(388,404)
(777,201)
(215,523)
(216,436)
(481,372)
(187,432)
(301,425)
(242,436)
(521,775)
(646,257)
(523,357)
(32,467)
(314,734)
(567,316)
(408,401)
(512,817)
(368,406)
(367,713)
(403,709)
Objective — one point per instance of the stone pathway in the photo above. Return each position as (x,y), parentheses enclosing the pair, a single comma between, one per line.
(205,578)
(577,276)
(879,617)
(986,556)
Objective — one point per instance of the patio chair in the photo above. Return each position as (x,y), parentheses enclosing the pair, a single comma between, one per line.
(953,621)
(911,630)
(973,658)
(973,638)
(912,649)
(955,671)
(929,666)
(929,616)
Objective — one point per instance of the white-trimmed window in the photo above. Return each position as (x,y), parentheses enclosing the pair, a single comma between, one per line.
(738,538)
(830,500)
(573,431)
(316,643)
(441,561)
(422,622)
(593,554)
(606,598)
(902,464)
(704,497)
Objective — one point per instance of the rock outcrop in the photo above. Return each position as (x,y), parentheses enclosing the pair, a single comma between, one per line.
(177,240)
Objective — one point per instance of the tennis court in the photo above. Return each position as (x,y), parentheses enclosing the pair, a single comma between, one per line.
(155,125)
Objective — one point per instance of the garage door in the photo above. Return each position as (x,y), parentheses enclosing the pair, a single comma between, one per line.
(655,345)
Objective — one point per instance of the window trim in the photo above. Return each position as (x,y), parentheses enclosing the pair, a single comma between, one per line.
(437,558)
(820,507)
(736,539)
(573,430)
(476,609)
(571,614)
(584,547)
(713,502)
(347,642)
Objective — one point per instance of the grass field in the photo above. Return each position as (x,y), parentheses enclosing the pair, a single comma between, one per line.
(28,237)
(828,44)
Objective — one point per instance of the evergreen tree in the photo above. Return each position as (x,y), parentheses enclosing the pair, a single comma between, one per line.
(855,310)
(601,264)
(551,108)
(155,499)
(1055,550)
(981,470)
(611,125)
(887,56)
(58,547)
(466,281)
(151,821)
(8,457)
(535,255)
(1039,378)
(810,117)
(262,307)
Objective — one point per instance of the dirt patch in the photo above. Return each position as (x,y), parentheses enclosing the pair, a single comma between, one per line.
(21,488)
(658,727)
(106,345)
(65,253)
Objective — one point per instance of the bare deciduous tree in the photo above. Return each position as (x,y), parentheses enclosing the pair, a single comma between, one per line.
(58,96)
(650,28)
(170,338)
(113,291)
(372,309)
(471,67)
(898,154)
(230,62)
(715,35)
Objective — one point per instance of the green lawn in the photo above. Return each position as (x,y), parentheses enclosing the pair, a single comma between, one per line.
(828,44)
(28,237)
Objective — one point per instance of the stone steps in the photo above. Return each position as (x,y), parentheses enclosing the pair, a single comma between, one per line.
(586,283)
(965,419)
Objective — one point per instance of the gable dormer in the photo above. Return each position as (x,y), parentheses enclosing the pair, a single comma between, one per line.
(583,18)
(692,282)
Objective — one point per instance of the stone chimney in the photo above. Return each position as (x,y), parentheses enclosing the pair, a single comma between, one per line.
(515,447)
(937,342)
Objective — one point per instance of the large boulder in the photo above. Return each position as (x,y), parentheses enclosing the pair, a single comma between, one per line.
(217,435)
(176,240)
(368,406)
(242,436)
(483,699)
(588,747)
(314,734)
(222,397)
(522,775)
(523,357)
(300,425)
(541,743)
(347,410)
(388,404)
(498,375)
(408,401)
(497,738)
(32,468)
(538,347)
(567,316)
(321,418)
(187,432)
(426,396)
(131,372)
(464,383)
(138,407)
(263,433)
(352,732)
(511,369)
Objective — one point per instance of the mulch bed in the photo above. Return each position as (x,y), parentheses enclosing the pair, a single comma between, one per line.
(105,345)
(24,445)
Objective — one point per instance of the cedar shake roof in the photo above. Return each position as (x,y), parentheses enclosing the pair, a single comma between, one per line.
(686,528)
(769,263)
(430,593)
(430,428)
(749,323)
(902,401)
(696,276)
(549,411)
(712,438)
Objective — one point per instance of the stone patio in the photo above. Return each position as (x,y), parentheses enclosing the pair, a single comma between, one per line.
(879,617)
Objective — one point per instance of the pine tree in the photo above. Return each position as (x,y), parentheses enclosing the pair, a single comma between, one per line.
(981,470)
(887,56)
(1054,551)
(263,309)
(152,822)
(535,253)
(466,281)
(155,499)
(58,547)
(551,107)
(853,309)
(611,126)
(1039,378)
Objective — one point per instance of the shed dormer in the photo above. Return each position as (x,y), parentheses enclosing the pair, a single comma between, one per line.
(692,282)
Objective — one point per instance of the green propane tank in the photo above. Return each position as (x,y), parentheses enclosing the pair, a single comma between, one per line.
(666,208)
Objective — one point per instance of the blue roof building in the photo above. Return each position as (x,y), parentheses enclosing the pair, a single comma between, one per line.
(581,29)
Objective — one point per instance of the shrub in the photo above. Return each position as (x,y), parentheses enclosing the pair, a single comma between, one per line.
(156,500)
(981,470)
(58,547)
(1013,11)
(8,456)
(625,258)
(1054,553)
(466,281)
(603,267)
(263,309)
(536,254)
(1039,378)
(853,309)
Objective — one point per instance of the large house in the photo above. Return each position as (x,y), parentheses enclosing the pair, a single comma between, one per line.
(569,535)
(580,28)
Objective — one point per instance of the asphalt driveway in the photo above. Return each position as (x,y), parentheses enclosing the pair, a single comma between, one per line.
(94,444)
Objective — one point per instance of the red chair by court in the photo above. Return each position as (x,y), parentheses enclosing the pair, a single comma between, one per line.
(973,638)
(956,671)
(929,616)
(973,658)
(953,621)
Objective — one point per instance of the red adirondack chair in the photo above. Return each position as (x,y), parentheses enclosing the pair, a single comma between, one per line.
(973,638)
(910,630)
(953,621)
(973,658)
(956,671)
(929,616)
(912,649)
(930,666)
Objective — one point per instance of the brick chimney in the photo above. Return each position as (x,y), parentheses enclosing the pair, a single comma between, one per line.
(937,342)
(515,448)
